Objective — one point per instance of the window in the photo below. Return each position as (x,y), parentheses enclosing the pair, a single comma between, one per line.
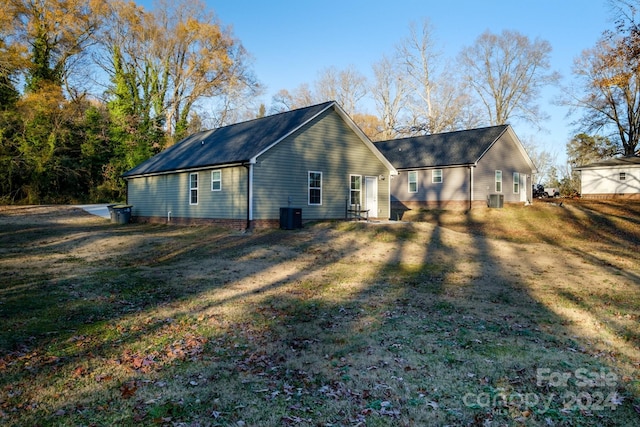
(356,187)
(413,182)
(315,188)
(436,176)
(498,181)
(216,180)
(516,182)
(193,189)
(623,176)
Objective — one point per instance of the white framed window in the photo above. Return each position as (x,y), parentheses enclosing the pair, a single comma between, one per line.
(498,181)
(355,189)
(623,176)
(516,182)
(193,188)
(436,176)
(315,188)
(413,182)
(216,180)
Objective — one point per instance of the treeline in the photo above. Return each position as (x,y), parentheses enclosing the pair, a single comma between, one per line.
(90,88)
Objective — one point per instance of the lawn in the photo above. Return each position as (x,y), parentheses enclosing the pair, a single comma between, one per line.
(514,316)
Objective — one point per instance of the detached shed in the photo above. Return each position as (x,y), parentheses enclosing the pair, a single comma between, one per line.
(313,159)
(619,177)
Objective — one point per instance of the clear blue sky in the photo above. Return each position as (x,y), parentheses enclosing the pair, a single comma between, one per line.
(291,41)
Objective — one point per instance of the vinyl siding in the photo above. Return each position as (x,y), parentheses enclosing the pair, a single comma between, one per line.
(454,186)
(326,145)
(280,179)
(607,181)
(504,155)
(156,196)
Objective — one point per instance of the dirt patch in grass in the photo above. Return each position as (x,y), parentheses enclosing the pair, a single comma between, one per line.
(513,316)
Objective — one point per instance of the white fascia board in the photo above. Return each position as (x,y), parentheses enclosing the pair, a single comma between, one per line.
(254,159)
(514,138)
(488,148)
(524,153)
(350,123)
(364,138)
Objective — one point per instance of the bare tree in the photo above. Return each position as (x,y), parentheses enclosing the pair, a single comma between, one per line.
(438,101)
(389,92)
(235,103)
(507,72)
(347,87)
(541,158)
(608,92)
(287,101)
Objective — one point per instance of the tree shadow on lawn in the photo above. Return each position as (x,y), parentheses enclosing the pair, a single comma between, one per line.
(314,325)
(605,237)
(591,286)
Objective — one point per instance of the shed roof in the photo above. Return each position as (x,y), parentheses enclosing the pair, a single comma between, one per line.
(613,163)
(457,148)
(233,144)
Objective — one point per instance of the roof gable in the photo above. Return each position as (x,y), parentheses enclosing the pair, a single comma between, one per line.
(233,144)
(457,148)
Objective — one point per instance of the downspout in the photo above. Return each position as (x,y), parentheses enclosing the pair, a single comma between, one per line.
(249,167)
(166,198)
(389,195)
(126,191)
(470,187)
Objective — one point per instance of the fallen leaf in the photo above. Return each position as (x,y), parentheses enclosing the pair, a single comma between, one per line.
(128,389)
(103,377)
(79,371)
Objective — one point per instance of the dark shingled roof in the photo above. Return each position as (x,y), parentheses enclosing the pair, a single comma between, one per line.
(617,162)
(231,144)
(463,147)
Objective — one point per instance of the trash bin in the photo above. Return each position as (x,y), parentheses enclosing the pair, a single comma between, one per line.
(121,214)
(112,213)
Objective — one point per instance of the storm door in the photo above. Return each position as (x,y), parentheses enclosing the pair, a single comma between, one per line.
(371,195)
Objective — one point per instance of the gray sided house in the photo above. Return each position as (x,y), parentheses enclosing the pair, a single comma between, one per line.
(314,159)
(613,178)
(459,169)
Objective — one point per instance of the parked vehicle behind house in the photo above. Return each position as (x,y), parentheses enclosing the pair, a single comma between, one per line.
(538,191)
(551,192)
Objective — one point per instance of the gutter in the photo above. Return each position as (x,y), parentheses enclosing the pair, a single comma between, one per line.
(249,167)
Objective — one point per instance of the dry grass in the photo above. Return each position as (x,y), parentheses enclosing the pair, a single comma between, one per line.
(465,323)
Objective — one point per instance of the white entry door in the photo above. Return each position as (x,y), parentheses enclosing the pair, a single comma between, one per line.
(371,195)
(523,188)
